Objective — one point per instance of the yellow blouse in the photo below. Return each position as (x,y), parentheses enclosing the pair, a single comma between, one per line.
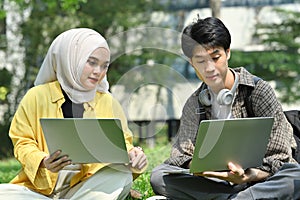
(29,143)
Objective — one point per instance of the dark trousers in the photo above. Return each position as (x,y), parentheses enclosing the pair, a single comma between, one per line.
(285,185)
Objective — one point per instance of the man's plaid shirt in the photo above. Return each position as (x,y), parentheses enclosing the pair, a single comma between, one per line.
(264,104)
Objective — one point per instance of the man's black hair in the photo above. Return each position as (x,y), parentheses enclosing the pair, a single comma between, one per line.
(209,32)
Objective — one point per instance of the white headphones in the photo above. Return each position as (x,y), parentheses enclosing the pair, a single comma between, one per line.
(225,96)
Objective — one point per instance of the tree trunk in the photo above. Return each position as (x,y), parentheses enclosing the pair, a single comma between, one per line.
(215,6)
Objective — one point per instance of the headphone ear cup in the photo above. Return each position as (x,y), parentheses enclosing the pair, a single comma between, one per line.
(225,97)
(204,97)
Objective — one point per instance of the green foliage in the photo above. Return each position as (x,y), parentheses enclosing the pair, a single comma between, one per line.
(8,170)
(5,83)
(113,19)
(5,88)
(65,5)
(280,61)
(48,18)
(3,93)
(2,12)
(283,35)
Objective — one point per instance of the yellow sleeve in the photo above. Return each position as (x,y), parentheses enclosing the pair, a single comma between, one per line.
(119,113)
(26,137)
(127,134)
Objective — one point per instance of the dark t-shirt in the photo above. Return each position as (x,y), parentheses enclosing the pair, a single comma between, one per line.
(70,109)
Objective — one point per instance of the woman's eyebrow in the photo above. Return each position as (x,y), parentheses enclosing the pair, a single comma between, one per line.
(96,59)
(92,57)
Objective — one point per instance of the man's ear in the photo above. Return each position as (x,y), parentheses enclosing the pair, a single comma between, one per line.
(228,54)
(197,72)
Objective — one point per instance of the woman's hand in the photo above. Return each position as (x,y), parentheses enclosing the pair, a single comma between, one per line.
(137,158)
(55,161)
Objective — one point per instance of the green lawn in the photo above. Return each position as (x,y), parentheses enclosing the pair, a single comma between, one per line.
(10,167)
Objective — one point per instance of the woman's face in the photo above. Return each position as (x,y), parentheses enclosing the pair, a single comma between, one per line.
(95,68)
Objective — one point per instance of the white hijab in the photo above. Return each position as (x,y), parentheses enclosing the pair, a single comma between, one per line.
(66,59)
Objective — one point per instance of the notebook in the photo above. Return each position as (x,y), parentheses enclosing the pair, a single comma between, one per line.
(86,140)
(243,141)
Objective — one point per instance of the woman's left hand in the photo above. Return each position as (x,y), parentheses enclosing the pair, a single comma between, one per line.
(137,158)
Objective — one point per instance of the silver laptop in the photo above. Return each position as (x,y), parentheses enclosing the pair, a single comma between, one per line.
(243,141)
(86,140)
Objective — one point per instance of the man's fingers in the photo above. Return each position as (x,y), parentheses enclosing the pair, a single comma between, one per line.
(236,169)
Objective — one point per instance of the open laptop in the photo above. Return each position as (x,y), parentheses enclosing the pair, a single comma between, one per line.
(86,140)
(243,141)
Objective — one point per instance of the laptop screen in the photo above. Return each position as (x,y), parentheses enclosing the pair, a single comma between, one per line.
(86,140)
(242,141)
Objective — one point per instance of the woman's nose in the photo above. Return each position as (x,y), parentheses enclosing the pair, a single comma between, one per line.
(97,70)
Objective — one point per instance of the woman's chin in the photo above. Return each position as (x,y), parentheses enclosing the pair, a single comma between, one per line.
(90,86)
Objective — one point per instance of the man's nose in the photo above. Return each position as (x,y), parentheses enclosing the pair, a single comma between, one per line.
(210,65)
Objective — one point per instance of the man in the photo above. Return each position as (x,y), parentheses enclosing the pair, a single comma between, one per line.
(223,94)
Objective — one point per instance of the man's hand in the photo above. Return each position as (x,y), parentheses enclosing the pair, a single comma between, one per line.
(235,174)
(138,158)
(55,161)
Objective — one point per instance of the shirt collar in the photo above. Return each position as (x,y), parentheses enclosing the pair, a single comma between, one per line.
(56,92)
(245,77)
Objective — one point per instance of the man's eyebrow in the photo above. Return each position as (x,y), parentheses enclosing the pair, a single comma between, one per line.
(215,51)
(206,54)
(201,55)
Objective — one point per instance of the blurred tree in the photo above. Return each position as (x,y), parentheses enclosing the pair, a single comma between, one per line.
(45,12)
(215,6)
(43,20)
(280,59)
(5,88)
(113,20)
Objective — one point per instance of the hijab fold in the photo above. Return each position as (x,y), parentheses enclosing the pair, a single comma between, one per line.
(66,59)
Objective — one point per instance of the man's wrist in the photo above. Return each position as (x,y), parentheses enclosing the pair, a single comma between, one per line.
(256,175)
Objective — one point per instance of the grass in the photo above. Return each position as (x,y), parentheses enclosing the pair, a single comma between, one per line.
(155,157)
(9,168)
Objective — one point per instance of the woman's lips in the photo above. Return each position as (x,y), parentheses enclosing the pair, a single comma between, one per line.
(94,79)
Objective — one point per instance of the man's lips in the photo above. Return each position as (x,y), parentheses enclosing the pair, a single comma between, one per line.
(211,77)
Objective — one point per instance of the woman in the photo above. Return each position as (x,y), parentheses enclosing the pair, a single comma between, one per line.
(70,84)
